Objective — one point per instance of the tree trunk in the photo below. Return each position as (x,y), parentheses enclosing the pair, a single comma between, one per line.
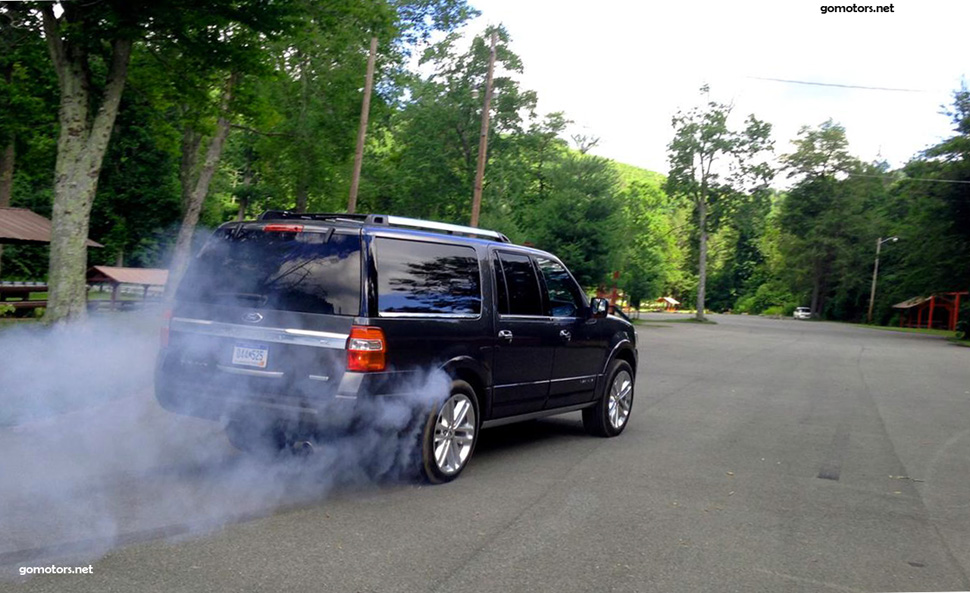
(816,305)
(81,144)
(6,173)
(244,197)
(190,217)
(302,194)
(191,139)
(702,259)
(6,182)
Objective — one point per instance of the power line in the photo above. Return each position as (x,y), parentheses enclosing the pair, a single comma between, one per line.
(843,86)
(910,178)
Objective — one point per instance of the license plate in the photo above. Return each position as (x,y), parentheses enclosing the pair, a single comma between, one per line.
(251,355)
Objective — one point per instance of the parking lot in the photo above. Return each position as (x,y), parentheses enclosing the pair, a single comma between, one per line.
(762,455)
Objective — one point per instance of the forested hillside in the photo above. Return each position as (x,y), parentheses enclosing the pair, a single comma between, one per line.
(231,108)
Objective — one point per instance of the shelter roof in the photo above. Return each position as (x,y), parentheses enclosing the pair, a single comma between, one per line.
(22,226)
(143,276)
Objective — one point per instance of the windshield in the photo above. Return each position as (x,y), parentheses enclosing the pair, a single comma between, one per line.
(307,272)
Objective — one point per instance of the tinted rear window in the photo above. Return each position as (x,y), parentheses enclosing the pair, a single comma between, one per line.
(427,278)
(309,272)
(521,284)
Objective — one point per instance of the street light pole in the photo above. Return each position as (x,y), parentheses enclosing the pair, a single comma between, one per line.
(875,273)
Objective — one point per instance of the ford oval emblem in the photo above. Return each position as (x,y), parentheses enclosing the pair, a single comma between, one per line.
(252,317)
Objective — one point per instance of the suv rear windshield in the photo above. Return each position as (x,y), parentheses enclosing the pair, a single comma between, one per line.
(307,272)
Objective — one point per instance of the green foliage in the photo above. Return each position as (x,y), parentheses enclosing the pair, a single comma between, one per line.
(652,254)
(963,322)
(138,194)
(768,297)
(580,219)
(300,67)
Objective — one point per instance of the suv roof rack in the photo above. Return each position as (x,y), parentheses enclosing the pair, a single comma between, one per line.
(387,220)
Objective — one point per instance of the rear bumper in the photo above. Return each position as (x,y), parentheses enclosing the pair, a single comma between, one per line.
(357,397)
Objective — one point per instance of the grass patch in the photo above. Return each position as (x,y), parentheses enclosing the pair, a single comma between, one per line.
(959,342)
(17,322)
(912,330)
(665,321)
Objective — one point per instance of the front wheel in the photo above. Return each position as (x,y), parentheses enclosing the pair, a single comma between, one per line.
(450,434)
(611,413)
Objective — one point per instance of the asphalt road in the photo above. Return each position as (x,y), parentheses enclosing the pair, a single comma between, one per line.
(762,455)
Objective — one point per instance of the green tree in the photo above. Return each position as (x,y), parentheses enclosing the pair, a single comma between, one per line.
(90,46)
(580,218)
(717,169)
(828,221)
(651,256)
(429,162)
(928,208)
(27,86)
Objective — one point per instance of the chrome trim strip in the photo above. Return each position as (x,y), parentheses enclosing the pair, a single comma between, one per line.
(277,335)
(193,321)
(534,415)
(594,377)
(316,334)
(392,314)
(319,377)
(250,372)
(521,384)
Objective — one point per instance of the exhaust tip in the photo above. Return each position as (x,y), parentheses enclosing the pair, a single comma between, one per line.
(302,448)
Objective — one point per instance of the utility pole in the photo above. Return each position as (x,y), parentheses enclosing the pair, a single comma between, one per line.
(362,130)
(483,139)
(875,273)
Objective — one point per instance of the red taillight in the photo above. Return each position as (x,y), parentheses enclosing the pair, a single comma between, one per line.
(283,228)
(163,333)
(366,348)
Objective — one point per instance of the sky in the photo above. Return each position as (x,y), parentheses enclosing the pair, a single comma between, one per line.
(621,69)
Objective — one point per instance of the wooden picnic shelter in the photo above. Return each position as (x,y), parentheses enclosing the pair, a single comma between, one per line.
(937,311)
(20,226)
(146,278)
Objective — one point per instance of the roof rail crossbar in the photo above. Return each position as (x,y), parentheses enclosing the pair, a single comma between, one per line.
(443,227)
(291,215)
(384,219)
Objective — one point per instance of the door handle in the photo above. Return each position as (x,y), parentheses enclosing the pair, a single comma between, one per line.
(505,334)
(564,334)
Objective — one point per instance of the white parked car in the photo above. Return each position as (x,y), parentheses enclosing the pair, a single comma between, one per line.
(803,313)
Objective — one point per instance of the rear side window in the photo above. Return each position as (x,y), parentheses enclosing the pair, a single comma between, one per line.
(521,285)
(417,278)
(310,272)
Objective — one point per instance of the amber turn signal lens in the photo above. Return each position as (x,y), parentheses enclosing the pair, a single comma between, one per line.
(366,349)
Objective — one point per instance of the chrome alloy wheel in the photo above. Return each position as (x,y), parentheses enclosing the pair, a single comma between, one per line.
(621,399)
(454,433)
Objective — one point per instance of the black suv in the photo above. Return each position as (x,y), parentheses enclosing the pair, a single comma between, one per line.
(299,326)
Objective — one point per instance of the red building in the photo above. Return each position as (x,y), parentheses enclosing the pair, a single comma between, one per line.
(938,311)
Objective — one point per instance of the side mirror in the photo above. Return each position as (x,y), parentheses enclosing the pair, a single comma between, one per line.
(599,308)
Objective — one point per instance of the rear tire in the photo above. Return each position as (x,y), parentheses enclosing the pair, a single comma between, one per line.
(611,413)
(450,434)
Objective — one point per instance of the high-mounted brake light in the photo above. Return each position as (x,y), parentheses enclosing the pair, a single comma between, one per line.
(166,322)
(283,228)
(366,349)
